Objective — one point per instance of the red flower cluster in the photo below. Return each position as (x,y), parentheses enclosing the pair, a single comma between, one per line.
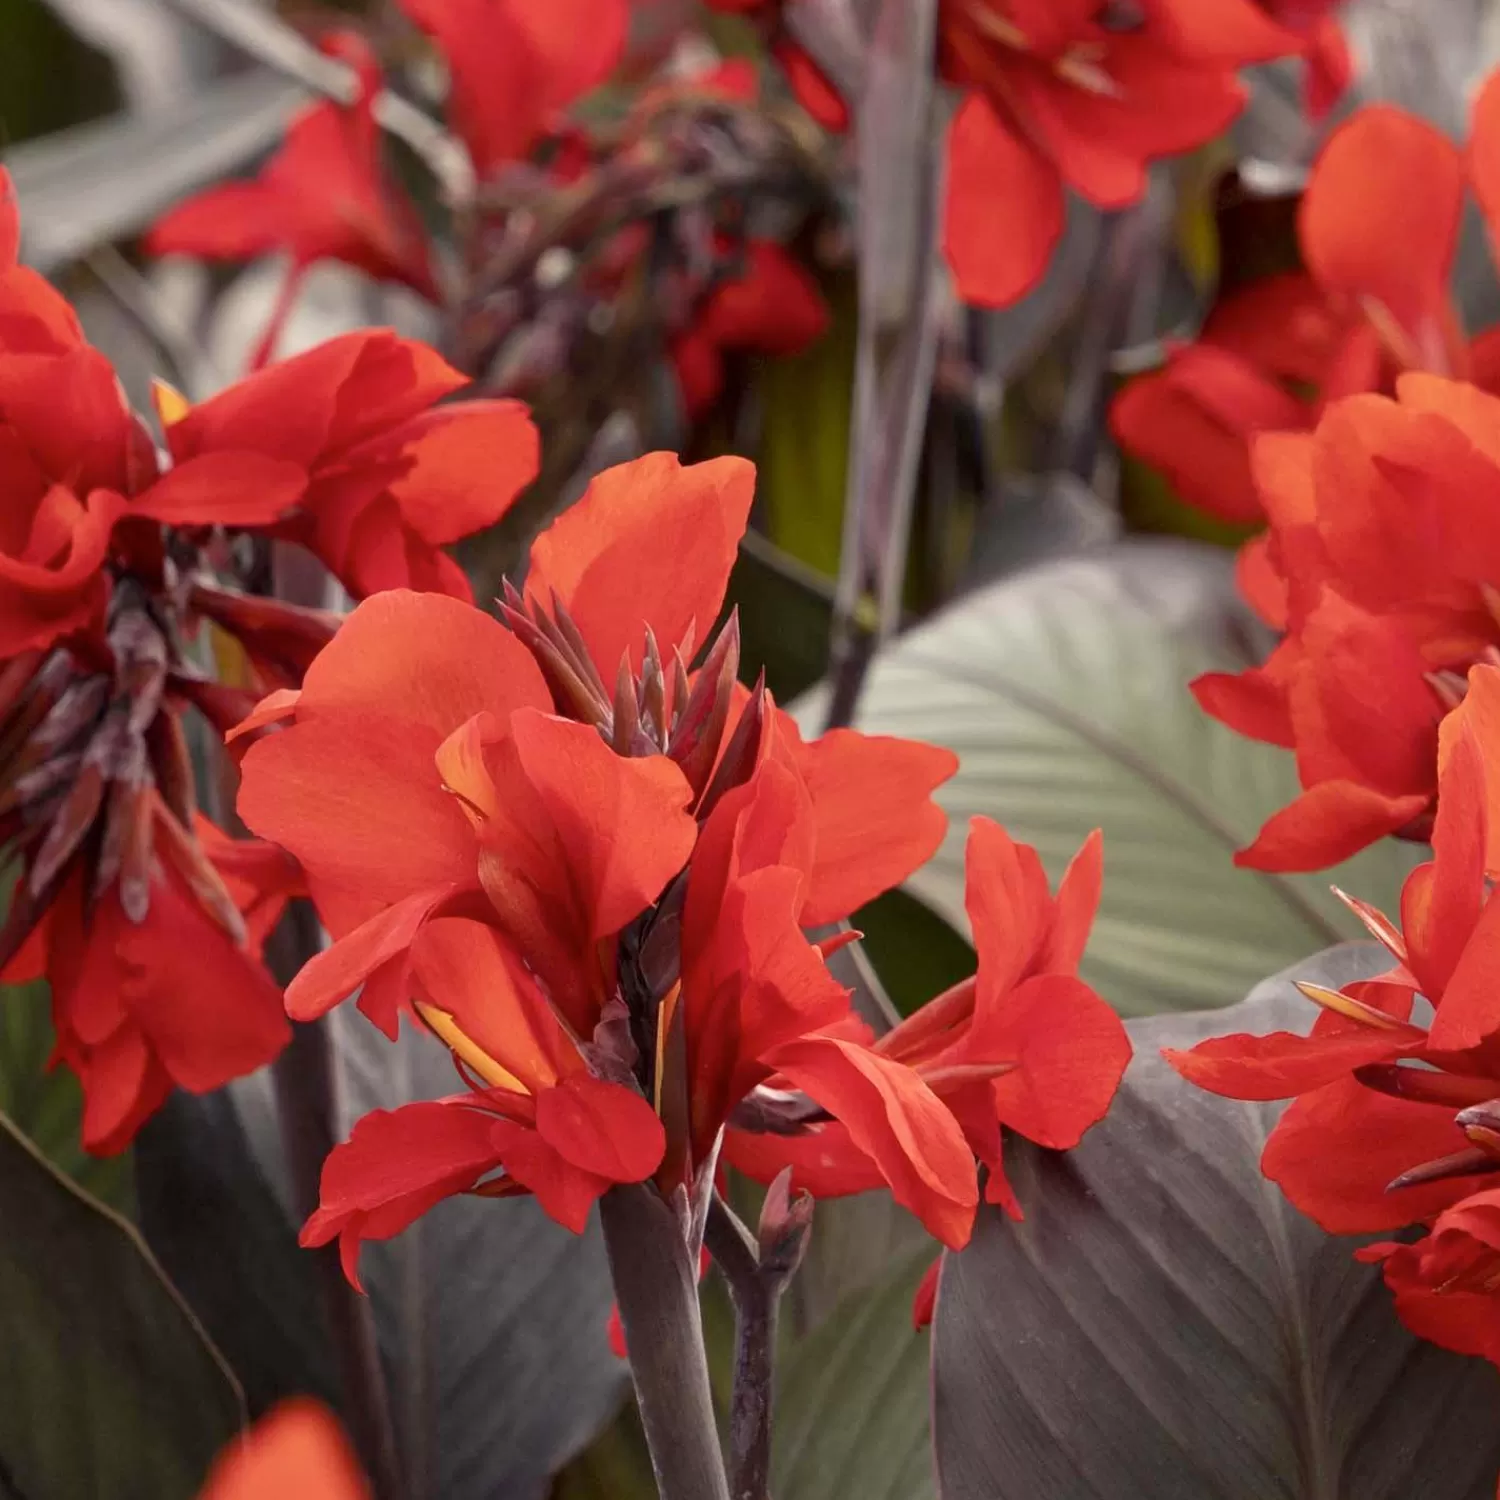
(1378,227)
(1377,566)
(1071,94)
(1394,1123)
(515,68)
(146,919)
(597,895)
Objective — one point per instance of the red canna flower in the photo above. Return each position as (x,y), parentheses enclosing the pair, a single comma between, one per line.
(772,307)
(1378,229)
(1055,97)
(392,476)
(1378,565)
(1383,1130)
(325,195)
(1445,1284)
(596,898)
(297,1448)
(1024,1044)
(515,66)
(145,919)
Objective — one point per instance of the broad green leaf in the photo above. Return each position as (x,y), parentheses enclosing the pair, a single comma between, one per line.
(108,1385)
(1064,693)
(47,1106)
(1165,1324)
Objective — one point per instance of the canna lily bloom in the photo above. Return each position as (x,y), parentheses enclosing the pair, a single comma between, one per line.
(1024,1044)
(595,897)
(147,921)
(516,66)
(1378,228)
(1389,1120)
(391,475)
(1055,97)
(771,306)
(325,195)
(79,472)
(1445,1285)
(297,1448)
(1378,567)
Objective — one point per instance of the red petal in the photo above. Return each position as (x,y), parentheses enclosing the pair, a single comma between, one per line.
(335,973)
(1326,825)
(1073,911)
(1469,1011)
(622,824)
(223,489)
(565,1191)
(400,1162)
(1070,1051)
(650,543)
(1003,208)
(873,811)
(1439,910)
(924,1301)
(1283,1064)
(604,1128)
(1379,218)
(1250,703)
(899,1123)
(1008,902)
(1483,156)
(1335,1149)
(234,221)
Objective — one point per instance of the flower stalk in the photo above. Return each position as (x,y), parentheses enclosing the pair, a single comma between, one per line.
(656,1286)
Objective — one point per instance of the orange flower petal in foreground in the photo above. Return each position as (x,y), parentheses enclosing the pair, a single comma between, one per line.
(297,1449)
(586,865)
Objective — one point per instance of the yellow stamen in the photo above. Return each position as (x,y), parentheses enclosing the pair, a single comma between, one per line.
(1347,1005)
(480,1063)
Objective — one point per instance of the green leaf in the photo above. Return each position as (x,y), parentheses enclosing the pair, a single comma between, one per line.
(1163,1323)
(1064,693)
(47,1107)
(109,1385)
(851,1399)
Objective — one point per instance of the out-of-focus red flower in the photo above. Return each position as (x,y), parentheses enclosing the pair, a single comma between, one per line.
(594,896)
(1447,1284)
(1025,1044)
(1378,1135)
(392,476)
(297,1448)
(772,307)
(814,90)
(1378,228)
(1378,567)
(325,195)
(515,65)
(1054,97)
